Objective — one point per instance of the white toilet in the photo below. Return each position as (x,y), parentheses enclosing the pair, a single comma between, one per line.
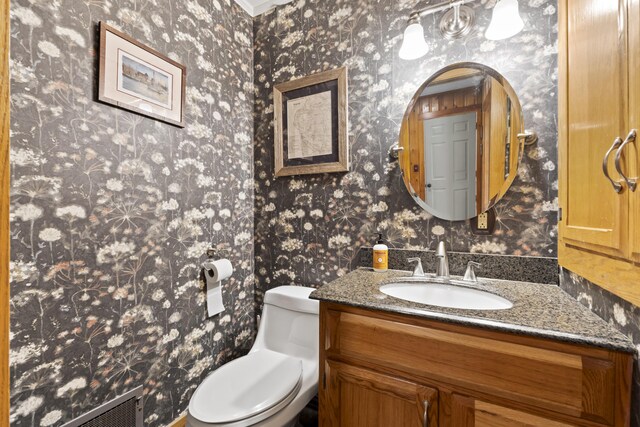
(275,381)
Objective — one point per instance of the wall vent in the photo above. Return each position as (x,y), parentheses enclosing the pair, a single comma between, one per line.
(123,411)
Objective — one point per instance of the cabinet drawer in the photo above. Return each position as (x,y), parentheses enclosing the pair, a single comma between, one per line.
(485,362)
(469,412)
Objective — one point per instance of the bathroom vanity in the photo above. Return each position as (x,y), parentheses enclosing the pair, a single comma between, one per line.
(546,361)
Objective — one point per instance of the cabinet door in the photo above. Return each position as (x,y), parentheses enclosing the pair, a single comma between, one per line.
(469,412)
(633,151)
(357,397)
(593,112)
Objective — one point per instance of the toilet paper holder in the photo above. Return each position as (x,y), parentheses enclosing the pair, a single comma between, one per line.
(211,254)
(215,271)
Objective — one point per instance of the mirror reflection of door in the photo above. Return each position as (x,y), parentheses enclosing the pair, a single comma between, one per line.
(450,165)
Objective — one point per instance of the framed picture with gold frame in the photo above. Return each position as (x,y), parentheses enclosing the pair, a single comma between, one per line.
(138,78)
(311,124)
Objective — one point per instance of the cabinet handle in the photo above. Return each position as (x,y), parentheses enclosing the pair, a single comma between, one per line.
(425,415)
(605,164)
(631,182)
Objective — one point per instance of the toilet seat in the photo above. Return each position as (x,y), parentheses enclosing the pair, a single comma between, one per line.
(248,389)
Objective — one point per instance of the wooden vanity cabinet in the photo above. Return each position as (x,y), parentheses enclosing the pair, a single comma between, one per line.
(383,369)
(599,101)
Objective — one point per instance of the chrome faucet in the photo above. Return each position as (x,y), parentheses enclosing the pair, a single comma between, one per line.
(442,270)
(418,271)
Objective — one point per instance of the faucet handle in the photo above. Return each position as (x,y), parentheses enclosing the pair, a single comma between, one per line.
(470,274)
(417,271)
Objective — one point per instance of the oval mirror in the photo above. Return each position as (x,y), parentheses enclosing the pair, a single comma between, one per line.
(459,140)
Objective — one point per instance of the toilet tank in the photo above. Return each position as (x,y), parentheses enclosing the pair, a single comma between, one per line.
(289,322)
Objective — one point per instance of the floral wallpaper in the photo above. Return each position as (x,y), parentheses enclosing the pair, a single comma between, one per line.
(623,315)
(112,211)
(308,228)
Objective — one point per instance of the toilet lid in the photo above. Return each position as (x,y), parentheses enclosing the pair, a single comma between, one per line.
(245,387)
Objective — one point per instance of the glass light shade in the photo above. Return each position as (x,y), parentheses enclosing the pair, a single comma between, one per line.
(413,44)
(506,21)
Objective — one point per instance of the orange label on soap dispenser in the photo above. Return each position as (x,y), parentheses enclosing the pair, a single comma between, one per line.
(380,259)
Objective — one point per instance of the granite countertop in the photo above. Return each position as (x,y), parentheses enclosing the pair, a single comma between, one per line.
(540,310)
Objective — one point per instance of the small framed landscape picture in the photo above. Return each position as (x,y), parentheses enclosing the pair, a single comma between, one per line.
(311,124)
(137,78)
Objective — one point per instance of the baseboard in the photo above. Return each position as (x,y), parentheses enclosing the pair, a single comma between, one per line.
(180,422)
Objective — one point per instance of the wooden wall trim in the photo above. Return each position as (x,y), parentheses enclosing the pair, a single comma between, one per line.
(450,112)
(4,213)
(180,422)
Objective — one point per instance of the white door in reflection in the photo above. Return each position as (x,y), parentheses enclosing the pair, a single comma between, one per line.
(450,165)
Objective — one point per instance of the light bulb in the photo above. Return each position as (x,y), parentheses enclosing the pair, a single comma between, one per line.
(413,44)
(505,21)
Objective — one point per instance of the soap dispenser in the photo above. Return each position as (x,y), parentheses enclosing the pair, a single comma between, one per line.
(380,255)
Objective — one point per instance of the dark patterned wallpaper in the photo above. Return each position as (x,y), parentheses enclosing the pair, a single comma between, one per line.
(112,212)
(621,314)
(308,228)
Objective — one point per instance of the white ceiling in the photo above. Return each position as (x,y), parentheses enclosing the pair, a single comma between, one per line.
(257,7)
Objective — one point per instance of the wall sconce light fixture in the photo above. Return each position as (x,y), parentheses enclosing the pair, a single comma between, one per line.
(414,45)
(505,21)
(458,21)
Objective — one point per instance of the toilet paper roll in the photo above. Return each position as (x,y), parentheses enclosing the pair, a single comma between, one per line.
(215,272)
(219,269)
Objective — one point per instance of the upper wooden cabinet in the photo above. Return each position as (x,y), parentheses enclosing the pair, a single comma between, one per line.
(633,152)
(599,92)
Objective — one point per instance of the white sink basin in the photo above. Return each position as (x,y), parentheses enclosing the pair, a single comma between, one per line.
(445,295)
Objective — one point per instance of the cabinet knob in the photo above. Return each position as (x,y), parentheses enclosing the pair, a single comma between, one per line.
(631,182)
(605,164)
